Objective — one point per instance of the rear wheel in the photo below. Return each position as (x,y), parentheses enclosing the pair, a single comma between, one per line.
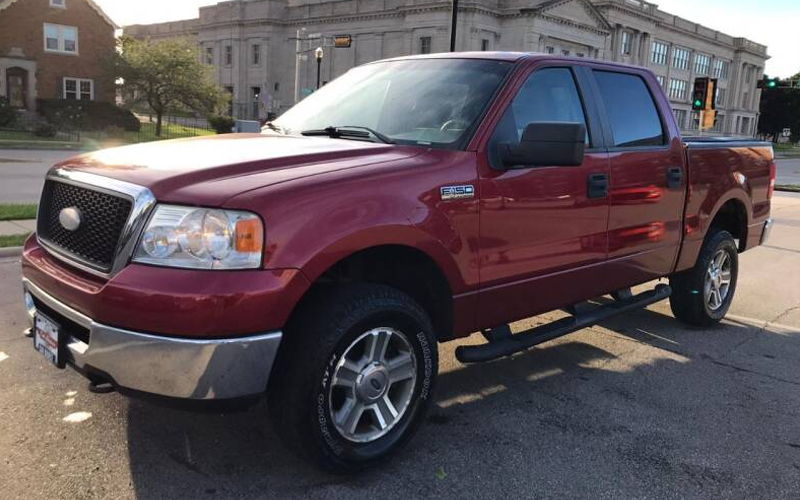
(354,377)
(702,295)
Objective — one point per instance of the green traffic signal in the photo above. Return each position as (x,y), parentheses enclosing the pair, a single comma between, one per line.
(772,84)
(698,103)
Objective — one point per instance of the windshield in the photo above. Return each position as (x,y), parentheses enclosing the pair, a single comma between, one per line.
(430,102)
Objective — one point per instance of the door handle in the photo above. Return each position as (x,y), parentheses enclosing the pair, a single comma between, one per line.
(597,186)
(674,177)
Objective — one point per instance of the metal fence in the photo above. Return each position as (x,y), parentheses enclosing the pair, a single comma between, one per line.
(29,127)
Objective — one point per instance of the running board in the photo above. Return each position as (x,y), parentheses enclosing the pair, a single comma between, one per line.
(502,343)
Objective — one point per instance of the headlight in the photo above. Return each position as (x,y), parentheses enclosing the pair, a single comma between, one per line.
(201,238)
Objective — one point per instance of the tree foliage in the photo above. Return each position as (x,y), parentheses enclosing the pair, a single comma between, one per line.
(166,75)
(780,109)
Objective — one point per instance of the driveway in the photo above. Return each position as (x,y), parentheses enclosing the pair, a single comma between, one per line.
(22,173)
(637,407)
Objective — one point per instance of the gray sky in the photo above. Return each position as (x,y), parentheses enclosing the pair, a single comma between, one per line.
(771,22)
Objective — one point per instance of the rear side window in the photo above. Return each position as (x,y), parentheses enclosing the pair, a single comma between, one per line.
(631,111)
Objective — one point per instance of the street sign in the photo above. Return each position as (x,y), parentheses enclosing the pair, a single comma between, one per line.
(342,41)
(787,132)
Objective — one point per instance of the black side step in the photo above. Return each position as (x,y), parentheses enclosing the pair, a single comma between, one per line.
(506,345)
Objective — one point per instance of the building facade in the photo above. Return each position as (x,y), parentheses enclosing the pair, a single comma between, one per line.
(54,49)
(252,44)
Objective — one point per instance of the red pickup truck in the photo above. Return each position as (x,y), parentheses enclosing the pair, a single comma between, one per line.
(409,202)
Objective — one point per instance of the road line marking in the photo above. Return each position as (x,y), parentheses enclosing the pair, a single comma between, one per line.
(78,416)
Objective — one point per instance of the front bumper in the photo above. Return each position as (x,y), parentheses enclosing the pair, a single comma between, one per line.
(199,369)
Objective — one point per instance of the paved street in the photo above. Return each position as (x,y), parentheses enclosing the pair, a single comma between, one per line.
(639,407)
(22,173)
(788,171)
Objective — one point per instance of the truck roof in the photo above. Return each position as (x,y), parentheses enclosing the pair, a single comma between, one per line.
(508,56)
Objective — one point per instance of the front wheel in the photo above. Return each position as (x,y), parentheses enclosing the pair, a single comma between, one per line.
(702,295)
(354,377)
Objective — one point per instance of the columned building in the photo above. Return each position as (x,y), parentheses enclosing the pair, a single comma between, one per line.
(252,43)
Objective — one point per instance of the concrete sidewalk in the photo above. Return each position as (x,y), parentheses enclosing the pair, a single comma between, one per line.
(12,227)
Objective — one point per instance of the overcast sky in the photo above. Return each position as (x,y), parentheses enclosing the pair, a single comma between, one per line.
(771,22)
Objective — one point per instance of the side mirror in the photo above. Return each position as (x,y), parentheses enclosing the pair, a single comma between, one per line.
(559,144)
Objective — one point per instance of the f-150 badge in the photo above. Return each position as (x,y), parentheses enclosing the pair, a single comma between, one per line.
(457,192)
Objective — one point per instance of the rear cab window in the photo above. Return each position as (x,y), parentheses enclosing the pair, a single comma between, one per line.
(631,110)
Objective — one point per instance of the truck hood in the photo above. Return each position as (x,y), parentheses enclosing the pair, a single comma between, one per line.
(210,170)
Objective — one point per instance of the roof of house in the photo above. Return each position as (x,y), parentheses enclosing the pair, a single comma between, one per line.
(7,3)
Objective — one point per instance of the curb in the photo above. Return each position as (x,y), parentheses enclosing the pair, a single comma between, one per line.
(10,252)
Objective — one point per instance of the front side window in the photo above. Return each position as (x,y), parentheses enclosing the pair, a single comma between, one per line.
(59,38)
(631,110)
(430,102)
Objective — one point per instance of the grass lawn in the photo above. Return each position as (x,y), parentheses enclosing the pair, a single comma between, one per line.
(15,240)
(17,212)
(788,187)
(146,134)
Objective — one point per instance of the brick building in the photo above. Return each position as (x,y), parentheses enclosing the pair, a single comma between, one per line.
(54,49)
(251,44)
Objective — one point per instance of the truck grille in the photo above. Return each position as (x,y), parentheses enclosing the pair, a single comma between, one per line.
(103,218)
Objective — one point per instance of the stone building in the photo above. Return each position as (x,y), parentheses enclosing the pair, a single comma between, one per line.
(252,44)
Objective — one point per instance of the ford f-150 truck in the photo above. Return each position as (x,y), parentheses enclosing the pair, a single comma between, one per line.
(407,203)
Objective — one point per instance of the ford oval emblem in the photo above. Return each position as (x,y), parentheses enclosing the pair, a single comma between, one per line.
(70,218)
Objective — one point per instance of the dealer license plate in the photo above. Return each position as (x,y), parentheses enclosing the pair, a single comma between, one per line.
(45,338)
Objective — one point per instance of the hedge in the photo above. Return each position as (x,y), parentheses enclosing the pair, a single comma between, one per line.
(87,115)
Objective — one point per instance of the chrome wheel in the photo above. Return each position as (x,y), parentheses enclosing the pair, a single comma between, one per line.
(372,385)
(718,280)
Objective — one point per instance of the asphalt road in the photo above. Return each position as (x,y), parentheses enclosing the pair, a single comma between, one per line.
(788,171)
(638,407)
(22,173)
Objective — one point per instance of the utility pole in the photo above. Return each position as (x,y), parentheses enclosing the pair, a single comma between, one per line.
(453,26)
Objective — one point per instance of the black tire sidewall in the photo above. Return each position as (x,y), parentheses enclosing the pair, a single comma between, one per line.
(720,241)
(352,455)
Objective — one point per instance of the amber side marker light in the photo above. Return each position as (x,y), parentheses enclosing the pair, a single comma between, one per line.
(249,236)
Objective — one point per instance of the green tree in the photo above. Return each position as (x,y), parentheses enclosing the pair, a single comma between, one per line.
(166,75)
(780,109)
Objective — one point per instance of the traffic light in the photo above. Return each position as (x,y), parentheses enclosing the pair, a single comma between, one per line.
(768,83)
(703,94)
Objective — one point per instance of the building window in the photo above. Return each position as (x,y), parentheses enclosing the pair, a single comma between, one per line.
(720,69)
(255,92)
(680,117)
(746,100)
(719,98)
(209,55)
(78,89)
(61,4)
(228,55)
(550,50)
(484,45)
(719,123)
(701,64)
(59,38)
(564,52)
(256,55)
(425,45)
(677,89)
(660,51)
(680,58)
(626,44)
(661,81)
(580,54)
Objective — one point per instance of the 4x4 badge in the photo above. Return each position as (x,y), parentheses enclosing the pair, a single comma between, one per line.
(457,192)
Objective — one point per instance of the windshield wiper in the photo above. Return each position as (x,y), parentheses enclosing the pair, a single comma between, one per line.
(356,132)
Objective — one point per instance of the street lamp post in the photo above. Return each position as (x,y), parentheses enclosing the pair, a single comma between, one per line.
(319,54)
(453,26)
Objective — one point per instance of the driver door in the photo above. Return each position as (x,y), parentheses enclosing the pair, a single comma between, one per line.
(543,230)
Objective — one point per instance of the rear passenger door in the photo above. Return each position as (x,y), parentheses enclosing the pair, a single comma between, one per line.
(542,234)
(647,178)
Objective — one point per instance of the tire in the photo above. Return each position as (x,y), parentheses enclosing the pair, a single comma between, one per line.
(310,385)
(693,300)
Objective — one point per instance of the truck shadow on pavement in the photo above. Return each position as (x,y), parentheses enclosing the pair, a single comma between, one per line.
(638,407)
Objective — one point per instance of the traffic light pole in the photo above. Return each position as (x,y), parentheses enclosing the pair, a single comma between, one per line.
(453,26)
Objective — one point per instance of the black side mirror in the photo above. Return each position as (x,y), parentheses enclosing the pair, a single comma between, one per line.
(559,144)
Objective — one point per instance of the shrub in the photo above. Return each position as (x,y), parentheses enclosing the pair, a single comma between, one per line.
(45,130)
(87,115)
(222,124)
(8,115)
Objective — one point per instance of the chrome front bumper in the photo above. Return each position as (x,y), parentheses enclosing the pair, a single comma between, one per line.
(174,367)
